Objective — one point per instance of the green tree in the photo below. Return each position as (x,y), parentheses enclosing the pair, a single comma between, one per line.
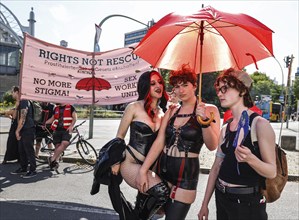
(165,75)
(208,92)
(296,87)
(7,98)
(295,92)
(263,85)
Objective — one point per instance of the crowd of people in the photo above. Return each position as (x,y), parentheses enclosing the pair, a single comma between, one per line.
(25,134)
(161,159)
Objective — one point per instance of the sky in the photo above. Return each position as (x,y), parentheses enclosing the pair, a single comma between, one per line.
(74,22)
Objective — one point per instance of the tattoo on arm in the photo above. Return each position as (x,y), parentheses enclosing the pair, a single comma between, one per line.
(23,116)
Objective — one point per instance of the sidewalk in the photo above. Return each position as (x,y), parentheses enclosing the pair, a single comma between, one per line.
(105,129)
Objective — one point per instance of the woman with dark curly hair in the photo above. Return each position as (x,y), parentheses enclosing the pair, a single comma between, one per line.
(144,118)
(239,165)
(178,145)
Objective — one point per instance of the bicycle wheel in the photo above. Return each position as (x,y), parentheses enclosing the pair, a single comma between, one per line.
(87,152)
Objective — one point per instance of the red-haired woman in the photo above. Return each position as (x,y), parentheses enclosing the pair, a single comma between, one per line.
(179,142)
(143,117)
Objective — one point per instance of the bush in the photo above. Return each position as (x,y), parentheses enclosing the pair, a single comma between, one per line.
(7,98)
(98,113)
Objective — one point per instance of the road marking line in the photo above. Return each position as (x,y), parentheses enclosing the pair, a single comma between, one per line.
(64,207)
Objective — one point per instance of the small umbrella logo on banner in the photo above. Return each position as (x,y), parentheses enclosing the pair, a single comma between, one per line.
(93,83)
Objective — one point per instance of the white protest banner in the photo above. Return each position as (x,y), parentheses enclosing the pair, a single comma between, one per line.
(52,73)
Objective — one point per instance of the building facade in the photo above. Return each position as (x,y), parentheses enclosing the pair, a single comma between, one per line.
(137,35)
(11,43)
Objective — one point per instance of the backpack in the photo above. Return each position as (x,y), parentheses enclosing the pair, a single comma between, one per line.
(37,112)
(272,188)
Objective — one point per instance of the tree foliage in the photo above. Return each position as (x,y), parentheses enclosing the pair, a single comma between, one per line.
(295,92)
(263,85)
(7,97)
(296,87)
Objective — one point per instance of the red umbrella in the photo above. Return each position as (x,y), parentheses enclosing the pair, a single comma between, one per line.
(93,84)
(208,40)
(224,39)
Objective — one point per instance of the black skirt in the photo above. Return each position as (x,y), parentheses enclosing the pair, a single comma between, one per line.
(12,152)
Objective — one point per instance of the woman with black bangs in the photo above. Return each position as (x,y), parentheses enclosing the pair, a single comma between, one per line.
(144,118)
(238,169)
(178,145)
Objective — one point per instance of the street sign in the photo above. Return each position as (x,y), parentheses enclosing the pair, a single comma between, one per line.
(266,98)
(281,98)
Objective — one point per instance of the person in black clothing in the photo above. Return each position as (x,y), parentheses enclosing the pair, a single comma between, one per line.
(48,111)
(25,134)
(239,166)
(12,152)
(143,117)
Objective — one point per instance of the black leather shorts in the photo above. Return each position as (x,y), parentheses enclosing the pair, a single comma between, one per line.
(169,168)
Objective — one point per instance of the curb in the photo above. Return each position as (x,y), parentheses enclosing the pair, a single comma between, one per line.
(68,159)
(204,170)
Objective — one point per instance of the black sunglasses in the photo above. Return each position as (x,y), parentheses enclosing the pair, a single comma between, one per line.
(222,89)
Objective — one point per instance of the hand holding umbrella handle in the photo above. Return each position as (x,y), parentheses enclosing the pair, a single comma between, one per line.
(207,121)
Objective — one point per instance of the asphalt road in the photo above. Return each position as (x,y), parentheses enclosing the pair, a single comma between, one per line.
(66,196)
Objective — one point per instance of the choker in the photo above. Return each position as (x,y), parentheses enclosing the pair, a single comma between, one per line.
(184,115)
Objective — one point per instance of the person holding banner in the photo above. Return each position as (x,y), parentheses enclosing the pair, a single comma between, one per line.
(239,166)
(143,117)
(62,123)
(178,145)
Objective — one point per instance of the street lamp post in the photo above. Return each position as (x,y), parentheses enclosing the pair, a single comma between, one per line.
(96,48)
(282,88)
(288,60)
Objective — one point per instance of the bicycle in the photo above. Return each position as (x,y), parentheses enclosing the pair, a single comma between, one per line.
(47,138)
(84,148)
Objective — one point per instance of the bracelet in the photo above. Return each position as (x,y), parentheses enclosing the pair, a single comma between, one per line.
(206,126)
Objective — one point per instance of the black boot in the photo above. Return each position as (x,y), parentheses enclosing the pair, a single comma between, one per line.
(176,210)
(148,205)
(54,165)
(95,187)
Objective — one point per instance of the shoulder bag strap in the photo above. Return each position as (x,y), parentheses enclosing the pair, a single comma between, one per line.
(253,130)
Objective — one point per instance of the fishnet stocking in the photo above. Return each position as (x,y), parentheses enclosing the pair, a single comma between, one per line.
(129,170)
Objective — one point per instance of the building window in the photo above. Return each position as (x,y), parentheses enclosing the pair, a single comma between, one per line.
(12,58)
(9,56)
(2,58)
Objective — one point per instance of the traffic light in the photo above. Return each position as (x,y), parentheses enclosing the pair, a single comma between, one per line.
(293,100)
(287,60)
